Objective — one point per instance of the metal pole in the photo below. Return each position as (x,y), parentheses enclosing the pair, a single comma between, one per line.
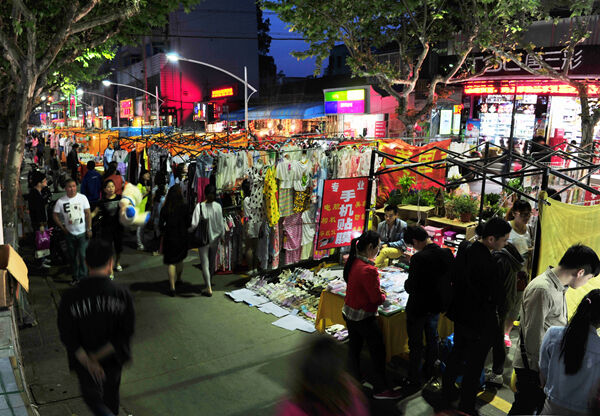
(118,110)
(370,190)
(485,156)
(157,112)
(246,99)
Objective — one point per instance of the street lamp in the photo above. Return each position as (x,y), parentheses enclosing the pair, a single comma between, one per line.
(108,83)
(80,91)
(174,57)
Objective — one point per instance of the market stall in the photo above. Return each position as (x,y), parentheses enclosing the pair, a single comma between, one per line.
(392,316)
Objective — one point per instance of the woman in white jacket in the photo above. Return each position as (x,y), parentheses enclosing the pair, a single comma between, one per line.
(211,210)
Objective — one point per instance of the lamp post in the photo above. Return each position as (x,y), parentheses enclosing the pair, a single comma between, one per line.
(80,91)
(174,57)
(108,83)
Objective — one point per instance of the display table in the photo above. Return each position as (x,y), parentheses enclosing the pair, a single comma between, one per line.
(393,326)
(466,228)
(410,212)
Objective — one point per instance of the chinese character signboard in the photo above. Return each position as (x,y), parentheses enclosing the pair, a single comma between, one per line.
(343,212)
(126,108)
(222,92)
(416,154)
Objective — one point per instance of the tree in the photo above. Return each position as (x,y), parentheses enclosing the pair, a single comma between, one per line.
(46,43)
(413,30)
(579,29)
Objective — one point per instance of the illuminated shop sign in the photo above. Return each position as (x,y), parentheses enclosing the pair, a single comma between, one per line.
(346,102)
(126,108)
(222,92)
(527,87)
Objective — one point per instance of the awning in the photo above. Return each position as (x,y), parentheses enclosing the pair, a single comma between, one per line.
(299,111)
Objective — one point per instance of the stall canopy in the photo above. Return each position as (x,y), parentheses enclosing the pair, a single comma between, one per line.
(299,111)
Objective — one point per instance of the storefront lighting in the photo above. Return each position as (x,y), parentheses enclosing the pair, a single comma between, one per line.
(222,92)
(528,88)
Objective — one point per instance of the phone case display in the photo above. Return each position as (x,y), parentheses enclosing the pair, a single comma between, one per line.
(525,117)
(495,113)
(564,115)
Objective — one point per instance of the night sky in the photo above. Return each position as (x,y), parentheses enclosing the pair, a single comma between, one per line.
(280,49)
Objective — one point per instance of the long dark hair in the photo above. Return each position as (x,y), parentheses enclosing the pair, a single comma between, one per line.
(322,382)
(359,244)
(520,205)
(574,341)
(174,200)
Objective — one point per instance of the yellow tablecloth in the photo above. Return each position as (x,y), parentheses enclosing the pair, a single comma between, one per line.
(393,327)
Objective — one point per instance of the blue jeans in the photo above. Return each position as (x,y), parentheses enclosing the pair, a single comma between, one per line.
(416,324)
(77,244)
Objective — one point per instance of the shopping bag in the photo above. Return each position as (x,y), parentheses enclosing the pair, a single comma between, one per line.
(201,233)
(42,243)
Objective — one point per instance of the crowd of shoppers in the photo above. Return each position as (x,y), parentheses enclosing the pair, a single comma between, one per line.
(482,290)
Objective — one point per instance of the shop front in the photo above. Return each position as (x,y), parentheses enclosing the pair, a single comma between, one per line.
(359,111)
(531,107)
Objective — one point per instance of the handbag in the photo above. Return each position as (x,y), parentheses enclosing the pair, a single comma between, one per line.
(201,234)
(42,243)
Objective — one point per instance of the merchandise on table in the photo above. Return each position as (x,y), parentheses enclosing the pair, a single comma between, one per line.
(300,289)
(392,281)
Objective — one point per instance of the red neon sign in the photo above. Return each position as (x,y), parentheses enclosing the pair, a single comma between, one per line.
(222,92)
(529,87)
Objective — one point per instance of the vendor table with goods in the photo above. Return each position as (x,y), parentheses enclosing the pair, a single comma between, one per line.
(392,316)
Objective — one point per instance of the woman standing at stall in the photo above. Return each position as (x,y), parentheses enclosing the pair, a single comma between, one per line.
(111,229)
(173,224)
(211,211)
(363,297)
(522,238)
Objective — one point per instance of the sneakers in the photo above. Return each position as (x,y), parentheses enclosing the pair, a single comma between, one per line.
(119,268)
(140,247)
(493,378)
(507,341)
(73,282)
(388,395)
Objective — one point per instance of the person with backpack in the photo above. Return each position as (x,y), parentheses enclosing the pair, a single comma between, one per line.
(428,286)
(570,361)
(510,263)
(474,309)
(544,305)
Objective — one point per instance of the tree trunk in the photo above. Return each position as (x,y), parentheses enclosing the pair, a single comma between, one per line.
(587,122)
(13,148)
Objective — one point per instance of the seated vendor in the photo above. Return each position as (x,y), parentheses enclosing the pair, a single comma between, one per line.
(390,231)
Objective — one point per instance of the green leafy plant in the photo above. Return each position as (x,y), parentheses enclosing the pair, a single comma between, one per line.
(406,183)
(466,204)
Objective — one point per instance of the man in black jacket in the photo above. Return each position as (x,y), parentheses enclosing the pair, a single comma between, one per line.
(428,279)
(37,208)
(478,293)
(73,162)
(96,322)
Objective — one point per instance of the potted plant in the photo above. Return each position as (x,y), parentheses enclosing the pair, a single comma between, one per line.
(449,207)
(466,207)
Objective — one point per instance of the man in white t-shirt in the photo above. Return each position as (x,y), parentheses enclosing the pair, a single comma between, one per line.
(72,215)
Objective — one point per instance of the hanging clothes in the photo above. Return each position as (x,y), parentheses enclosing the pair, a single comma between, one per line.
(292,243)
(270,191)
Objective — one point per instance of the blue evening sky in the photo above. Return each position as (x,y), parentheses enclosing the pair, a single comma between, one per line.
(280,49)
